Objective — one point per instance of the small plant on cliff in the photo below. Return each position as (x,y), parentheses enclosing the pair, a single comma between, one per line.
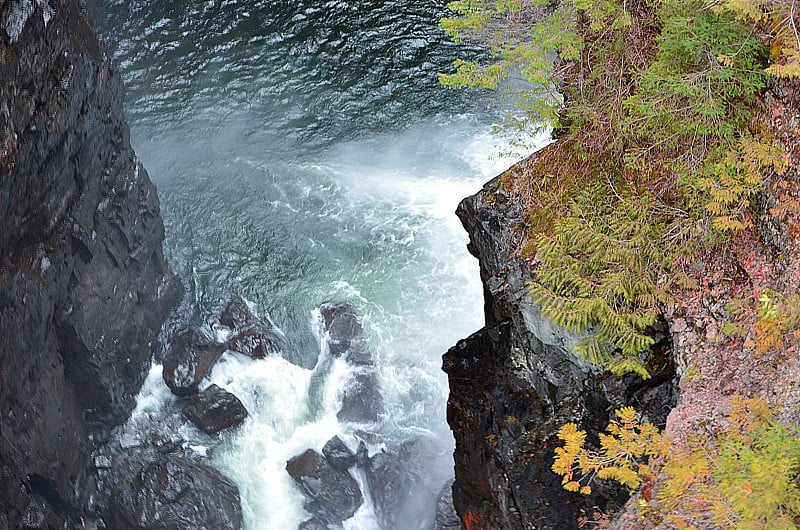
(743,477)
(778,321)
(598,274)
(622,457)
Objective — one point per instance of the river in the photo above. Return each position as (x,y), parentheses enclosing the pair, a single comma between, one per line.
(305,152)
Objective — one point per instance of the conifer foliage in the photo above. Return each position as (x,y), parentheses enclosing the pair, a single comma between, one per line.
(658,126)
(622,456)
(745,477)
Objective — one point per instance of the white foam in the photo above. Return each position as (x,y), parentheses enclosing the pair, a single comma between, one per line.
(153,398)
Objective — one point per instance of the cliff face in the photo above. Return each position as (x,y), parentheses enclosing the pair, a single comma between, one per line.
(84,287)
(515,382)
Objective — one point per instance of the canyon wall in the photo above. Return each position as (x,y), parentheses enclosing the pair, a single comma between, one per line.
(515,382)
(84,286)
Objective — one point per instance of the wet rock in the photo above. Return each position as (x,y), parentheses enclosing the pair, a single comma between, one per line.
(345,333)
(172,493)
(255,343)
(250,335)
(446,516)
(362,454)
(361,399)
(190,358)
(334,495)
(338,454)
(215,410)
(316,523)
(389,487)
(236,314)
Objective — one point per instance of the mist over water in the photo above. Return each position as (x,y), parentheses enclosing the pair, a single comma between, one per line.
(304,152)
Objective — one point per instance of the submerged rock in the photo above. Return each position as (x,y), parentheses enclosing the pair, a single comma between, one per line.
(318,524)
(344,332)
(189,359)
(338,454)
(215,410)
(173,493)
(236,314)
(334,495)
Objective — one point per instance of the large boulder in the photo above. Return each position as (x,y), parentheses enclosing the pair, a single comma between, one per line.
(254,342)
(344,332)
(214,410)
(361,399)
(389,487)
(334,495)
(338,454)
(190,358)
(173,493)
(249,335)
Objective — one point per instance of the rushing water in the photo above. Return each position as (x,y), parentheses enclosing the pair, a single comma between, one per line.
(304,152)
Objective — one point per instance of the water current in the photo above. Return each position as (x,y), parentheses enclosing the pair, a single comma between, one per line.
(304,152)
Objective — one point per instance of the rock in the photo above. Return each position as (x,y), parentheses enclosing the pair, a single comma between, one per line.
(344,332)
(255,343)
(389,487)
(215,410)
(362,454)
(446,516)
(102,462)
(190,358)
(515,382)
(316,523)
(84,286)
(361,401)
(173,493)
(34,516)
(250,335)
(338,454)
(334,495)
(236,314)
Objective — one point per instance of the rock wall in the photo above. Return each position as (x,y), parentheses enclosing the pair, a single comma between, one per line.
(84,287)
(515,382)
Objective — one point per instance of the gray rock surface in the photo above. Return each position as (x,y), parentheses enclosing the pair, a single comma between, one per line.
(333,495)
(169,492)
(84,287)
(190,358)
(250,335)
(389,487)
(338,454)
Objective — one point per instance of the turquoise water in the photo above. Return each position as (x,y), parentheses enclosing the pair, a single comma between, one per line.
(304,152)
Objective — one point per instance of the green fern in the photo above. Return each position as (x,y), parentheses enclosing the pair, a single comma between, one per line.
(598,277)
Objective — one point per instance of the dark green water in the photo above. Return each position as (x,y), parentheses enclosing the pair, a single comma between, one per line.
(304,152)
